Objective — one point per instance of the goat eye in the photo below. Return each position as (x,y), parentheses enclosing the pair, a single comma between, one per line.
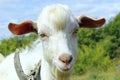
(43,36)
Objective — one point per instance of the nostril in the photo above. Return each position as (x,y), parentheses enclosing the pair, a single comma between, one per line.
(70,59)
(65,58)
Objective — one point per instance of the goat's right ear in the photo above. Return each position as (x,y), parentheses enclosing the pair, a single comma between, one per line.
(23,28)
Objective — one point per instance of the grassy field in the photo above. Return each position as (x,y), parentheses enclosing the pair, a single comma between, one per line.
(97,76)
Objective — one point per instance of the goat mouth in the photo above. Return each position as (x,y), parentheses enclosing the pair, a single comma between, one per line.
(64,69)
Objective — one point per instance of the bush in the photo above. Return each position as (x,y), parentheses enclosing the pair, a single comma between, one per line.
(93,58)
(10,45)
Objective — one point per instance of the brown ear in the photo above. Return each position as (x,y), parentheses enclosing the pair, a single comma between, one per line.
(87,22)
(23,28)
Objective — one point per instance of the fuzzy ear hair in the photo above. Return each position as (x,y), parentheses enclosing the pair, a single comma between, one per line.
(23,28)
(87,22)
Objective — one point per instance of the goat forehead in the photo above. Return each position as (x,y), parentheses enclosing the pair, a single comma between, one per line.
(56,17)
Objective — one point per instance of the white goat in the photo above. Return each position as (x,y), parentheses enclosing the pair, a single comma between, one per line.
(56,48)
(1,57)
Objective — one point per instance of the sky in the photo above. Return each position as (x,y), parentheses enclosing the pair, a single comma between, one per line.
(20,10)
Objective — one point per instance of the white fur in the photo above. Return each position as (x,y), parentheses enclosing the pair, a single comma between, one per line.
(58,22)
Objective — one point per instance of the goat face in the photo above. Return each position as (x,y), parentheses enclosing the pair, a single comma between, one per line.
(57,28)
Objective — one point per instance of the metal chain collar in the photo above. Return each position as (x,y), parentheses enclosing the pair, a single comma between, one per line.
(34,75)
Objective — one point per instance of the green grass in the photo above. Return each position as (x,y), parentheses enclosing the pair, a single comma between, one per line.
(97,76)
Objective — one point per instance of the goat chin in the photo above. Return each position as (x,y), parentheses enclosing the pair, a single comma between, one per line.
(60,74)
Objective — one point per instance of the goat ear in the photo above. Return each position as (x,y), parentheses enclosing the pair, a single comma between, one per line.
(87,22)
(23,28)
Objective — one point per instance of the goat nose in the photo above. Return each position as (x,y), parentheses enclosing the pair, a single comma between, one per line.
(65,58)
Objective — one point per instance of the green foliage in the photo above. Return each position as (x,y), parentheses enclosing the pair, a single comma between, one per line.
(10,45)
(113,29)
(93,58)
(96,76)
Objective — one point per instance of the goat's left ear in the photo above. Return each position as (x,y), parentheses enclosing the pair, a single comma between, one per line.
(87,22)
(23,28)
